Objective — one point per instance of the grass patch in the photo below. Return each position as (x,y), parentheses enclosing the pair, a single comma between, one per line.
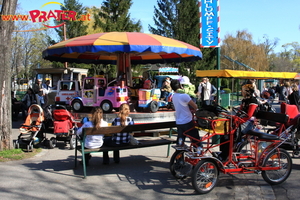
(17,154)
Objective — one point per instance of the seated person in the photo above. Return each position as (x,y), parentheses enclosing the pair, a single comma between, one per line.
(249,99)
(118,139)
(93,141)
(165,90)
(65,87)
(101,85)
(90,84)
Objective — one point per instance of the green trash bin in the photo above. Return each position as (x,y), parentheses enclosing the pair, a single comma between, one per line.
(225,100)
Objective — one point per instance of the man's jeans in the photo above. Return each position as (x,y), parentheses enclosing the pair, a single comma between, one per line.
(182,128)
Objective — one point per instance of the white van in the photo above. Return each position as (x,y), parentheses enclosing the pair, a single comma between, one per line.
(67,90)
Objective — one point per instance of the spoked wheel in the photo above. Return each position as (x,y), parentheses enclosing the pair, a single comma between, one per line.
(205,176)
(280,159)
(178,167)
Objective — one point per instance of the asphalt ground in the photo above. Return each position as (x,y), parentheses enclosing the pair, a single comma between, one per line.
(141,174)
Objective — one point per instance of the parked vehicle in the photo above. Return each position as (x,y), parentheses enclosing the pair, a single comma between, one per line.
(149,98)
(262,154)
(67,90)
(97,92)
(58,75)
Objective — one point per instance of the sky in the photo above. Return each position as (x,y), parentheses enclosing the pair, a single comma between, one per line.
(271,18)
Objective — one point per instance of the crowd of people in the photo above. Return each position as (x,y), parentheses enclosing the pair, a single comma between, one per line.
(38,94)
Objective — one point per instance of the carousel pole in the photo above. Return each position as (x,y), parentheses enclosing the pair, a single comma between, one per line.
(65,38)
(124,68)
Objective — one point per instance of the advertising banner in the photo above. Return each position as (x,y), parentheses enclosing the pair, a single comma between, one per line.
(209,23)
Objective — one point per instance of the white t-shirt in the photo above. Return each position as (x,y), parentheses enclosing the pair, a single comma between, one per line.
(183,114)
(92,141)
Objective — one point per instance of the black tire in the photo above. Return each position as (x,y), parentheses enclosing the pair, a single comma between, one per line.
(275,177)
(16,144)
(72,143)
(178,167)
(153,106)
(106,106)
(205,176)
(77,105)
(52,143)
(29,147)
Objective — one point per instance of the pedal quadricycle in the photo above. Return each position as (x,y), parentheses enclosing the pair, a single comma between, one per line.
(260,155)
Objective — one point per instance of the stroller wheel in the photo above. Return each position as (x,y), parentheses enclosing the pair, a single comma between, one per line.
(72,143)
(29,147)
(16,144)
(52,143)
(296,153)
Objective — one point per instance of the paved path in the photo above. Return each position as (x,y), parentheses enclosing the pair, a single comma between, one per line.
(142,174)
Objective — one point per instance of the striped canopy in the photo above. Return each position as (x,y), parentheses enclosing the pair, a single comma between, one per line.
(105,48)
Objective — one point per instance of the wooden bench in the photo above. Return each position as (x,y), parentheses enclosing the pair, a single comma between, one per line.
(108,131)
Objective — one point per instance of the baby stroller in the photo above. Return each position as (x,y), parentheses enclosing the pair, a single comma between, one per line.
(32,131)
(64,127)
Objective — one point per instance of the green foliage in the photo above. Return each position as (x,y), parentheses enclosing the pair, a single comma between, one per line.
(165,18)
(73,28)
(179,19)
(242,48)
(114,16)
(224,82)
(227,90)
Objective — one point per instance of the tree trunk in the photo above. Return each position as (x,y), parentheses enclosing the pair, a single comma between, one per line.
(6,29)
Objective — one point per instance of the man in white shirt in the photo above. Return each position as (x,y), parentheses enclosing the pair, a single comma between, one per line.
(204,92)
(183,114)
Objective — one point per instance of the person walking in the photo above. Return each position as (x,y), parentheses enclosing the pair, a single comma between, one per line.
(205,92)
(183,114)
(294,96)
(118,139)
(37,88)
(29,99)
(93,141)
(284,92)
(46,90)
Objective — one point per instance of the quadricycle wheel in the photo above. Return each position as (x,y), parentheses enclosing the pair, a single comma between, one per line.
(178,167)
(205,176)
(280,159)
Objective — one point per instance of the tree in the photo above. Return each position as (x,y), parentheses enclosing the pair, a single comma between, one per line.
(166,18)
(294,54)
(114,16)
(6,28)
(242,48)
(28,41)
(73,28)
(94,13)
(179,19)
(288,60)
